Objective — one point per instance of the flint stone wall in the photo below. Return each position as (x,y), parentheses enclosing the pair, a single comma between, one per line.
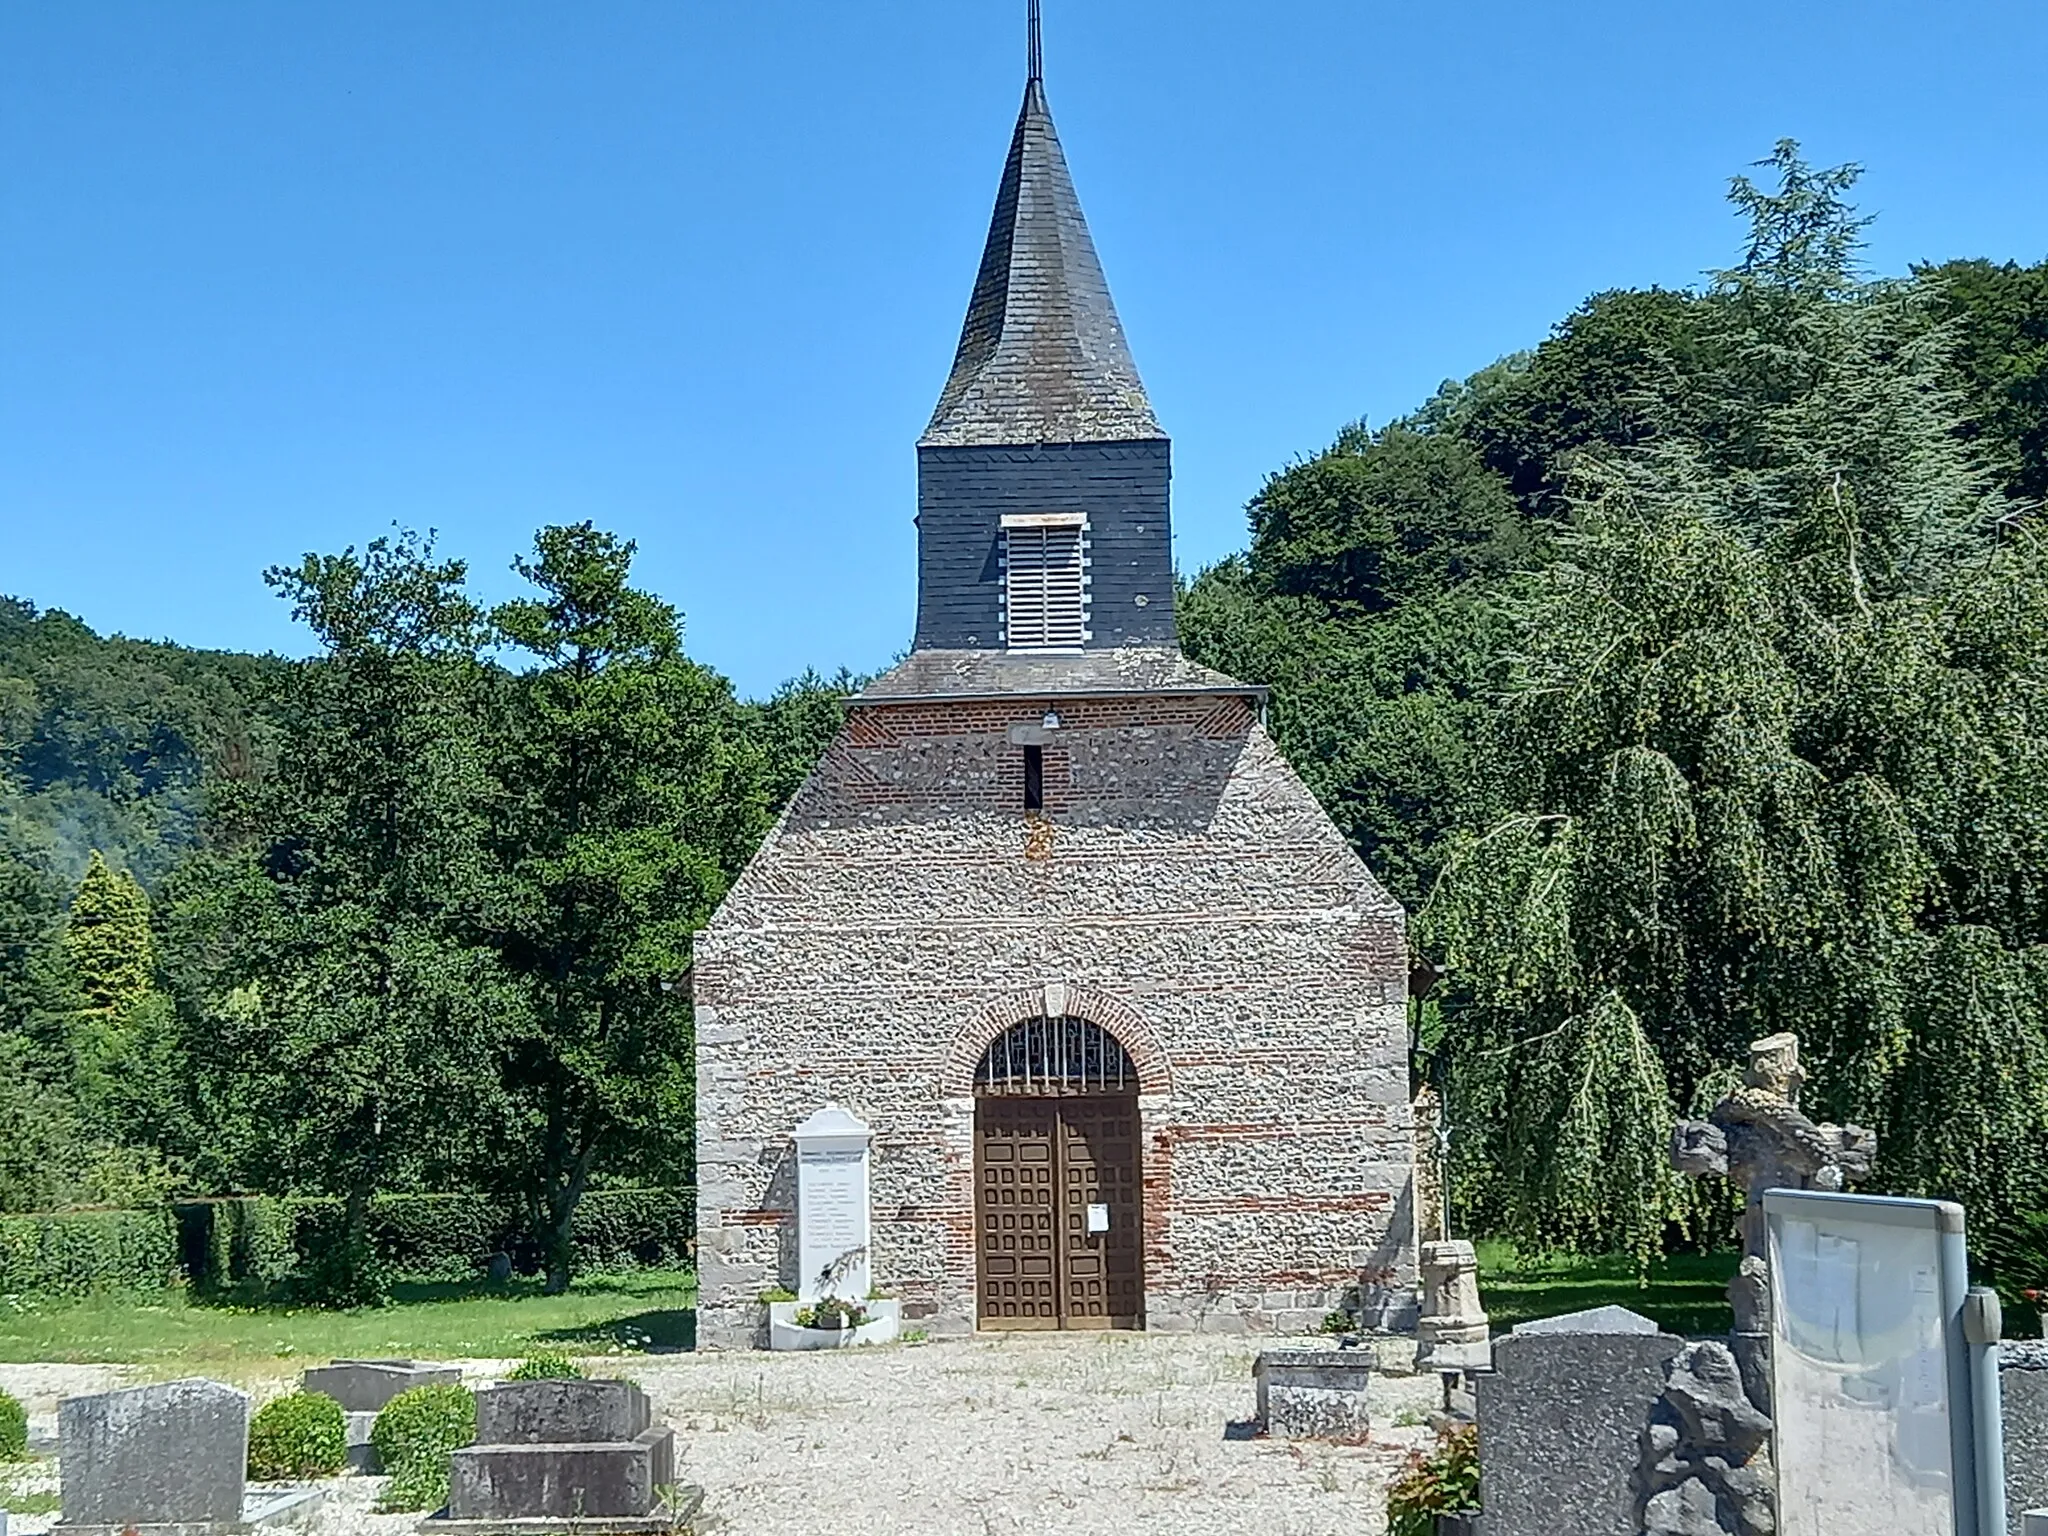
(1183,889)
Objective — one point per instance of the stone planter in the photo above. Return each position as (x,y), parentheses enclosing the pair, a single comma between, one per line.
(883,1324)
(1458,1525)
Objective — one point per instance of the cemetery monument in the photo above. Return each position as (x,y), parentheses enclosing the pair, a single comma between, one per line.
(547,1451)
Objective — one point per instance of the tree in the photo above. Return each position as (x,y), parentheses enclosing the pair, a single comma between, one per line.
(1361,605)
(1770,758)
(346,1003)
(107,939)
(1998,319)
(793,729)
(632,799)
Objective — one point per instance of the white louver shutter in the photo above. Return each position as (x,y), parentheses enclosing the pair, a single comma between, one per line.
(1046,590)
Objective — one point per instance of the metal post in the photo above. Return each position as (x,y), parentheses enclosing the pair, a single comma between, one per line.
(1983,1326)
(1962,1396)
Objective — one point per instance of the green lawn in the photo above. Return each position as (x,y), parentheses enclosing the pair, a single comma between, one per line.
(1685,1293)
(650,1310)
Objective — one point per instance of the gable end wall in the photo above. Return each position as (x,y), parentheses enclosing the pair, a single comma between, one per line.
(1184,889)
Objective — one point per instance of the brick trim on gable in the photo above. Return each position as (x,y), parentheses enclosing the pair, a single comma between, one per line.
(1055,999)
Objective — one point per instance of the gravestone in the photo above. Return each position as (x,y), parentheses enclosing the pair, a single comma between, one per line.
(364,1387)
(548,1450)
(1314,1394)
(1561,1418)
(832,1210)
(173,1454)
(2023,1384)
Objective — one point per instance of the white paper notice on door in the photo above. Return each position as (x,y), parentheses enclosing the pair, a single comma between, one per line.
(1098,1218)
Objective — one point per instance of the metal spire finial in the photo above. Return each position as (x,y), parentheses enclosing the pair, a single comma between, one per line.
(1036,56)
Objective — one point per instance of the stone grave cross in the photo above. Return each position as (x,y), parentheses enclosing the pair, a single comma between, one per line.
(1758,1138)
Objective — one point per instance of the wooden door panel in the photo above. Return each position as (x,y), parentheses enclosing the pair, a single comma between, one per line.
(1016,1201)
(1102,1271)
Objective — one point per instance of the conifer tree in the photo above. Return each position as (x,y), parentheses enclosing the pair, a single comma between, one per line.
(107,939)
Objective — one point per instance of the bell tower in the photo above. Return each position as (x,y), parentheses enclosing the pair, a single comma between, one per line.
(1044,480)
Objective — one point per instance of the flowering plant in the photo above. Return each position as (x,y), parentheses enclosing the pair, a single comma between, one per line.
(1444,1481)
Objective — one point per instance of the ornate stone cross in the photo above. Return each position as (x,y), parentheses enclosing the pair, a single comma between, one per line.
(1757,1137)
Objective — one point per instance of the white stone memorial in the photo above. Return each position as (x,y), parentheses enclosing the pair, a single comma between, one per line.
(1873,1377)
(832,1217)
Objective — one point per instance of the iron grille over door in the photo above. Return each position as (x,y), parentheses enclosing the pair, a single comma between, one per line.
(1045,594)
(1056,1056)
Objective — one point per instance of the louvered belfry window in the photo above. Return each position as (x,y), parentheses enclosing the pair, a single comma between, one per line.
(1045,582)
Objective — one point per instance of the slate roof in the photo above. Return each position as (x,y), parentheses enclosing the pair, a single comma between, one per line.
(1042,356)
(937,674)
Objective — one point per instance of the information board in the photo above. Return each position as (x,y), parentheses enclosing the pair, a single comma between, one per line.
(1864,1364)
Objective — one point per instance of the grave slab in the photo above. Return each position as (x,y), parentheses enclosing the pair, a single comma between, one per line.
(561,1412)
(1561,1418)
(362,1456)
(1314,1394)
(597,1479)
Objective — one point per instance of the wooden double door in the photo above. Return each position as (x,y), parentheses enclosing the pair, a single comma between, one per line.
(1058,1205)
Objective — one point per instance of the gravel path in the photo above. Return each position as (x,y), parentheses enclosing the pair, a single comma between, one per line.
(1086,1435)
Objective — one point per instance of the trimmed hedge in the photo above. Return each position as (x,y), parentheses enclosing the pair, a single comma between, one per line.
(259,1244)
(13,1428)
(297,1437)
(74,1253)
(415,1436)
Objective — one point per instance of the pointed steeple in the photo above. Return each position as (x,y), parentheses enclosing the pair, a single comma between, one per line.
(1042,357)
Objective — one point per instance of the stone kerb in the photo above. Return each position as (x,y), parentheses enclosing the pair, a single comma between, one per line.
(173,1454)
(1561,1418)
(1053,1000)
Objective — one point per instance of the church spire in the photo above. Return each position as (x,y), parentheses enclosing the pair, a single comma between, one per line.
(1042,356)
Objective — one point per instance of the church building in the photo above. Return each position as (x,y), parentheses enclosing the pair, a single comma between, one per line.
(1123,1012)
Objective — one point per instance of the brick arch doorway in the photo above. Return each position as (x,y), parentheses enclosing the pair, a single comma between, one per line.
(1058,1182)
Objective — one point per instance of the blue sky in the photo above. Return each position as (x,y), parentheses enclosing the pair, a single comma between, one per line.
(273,278)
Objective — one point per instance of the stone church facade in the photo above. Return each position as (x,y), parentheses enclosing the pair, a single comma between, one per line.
(1124,1011)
